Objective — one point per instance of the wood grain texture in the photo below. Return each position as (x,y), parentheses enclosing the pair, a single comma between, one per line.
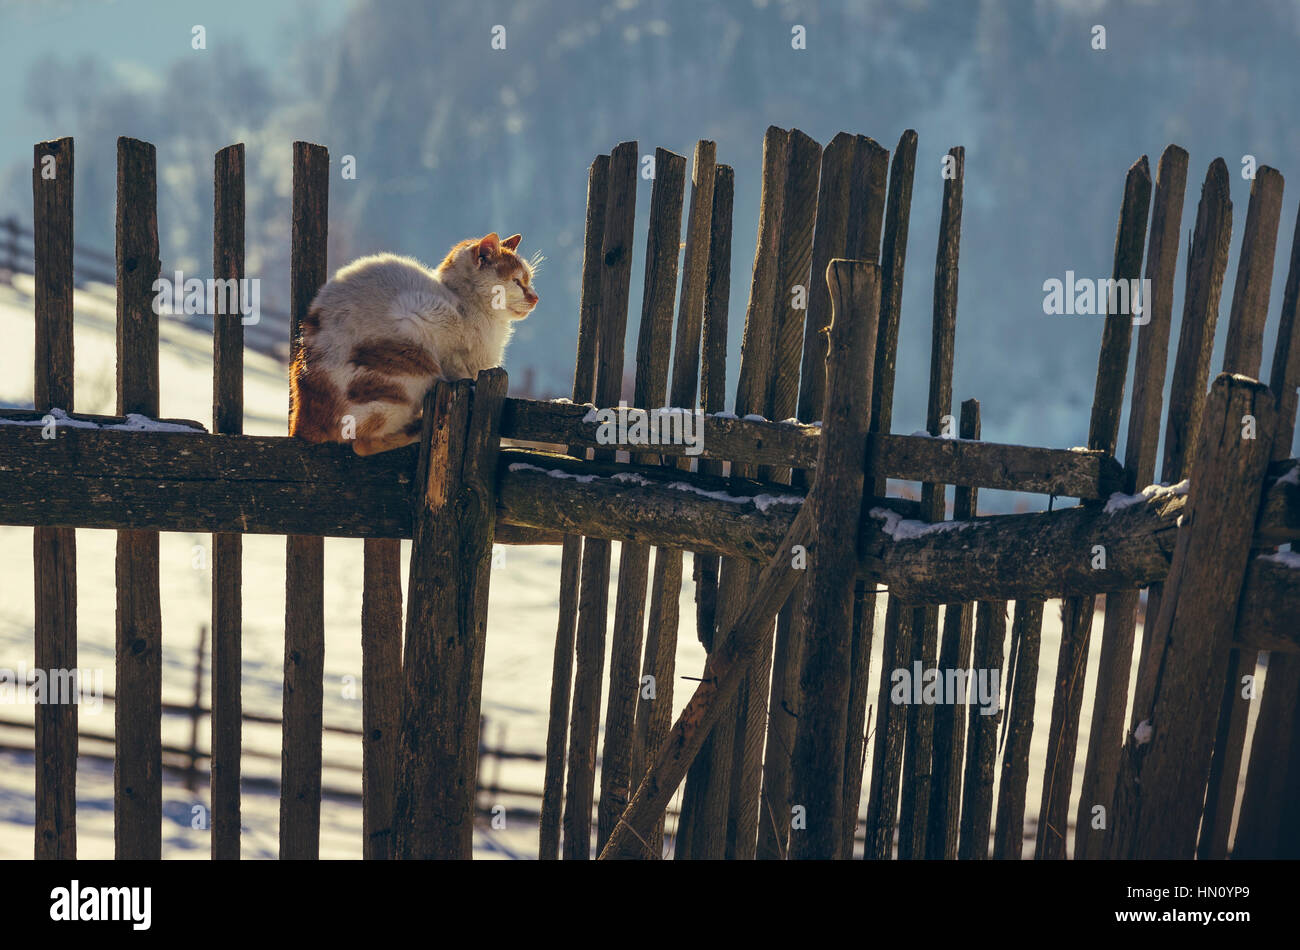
(227,549)
(1161,786)
(446,620)
(817,776)
(137,771)
(584,389)
(54,550)
(304,610)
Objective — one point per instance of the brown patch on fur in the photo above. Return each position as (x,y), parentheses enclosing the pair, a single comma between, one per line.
(375,387)
(312,320)
(394,357)
(314,403)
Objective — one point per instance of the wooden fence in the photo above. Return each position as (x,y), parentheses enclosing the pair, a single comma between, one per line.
(792,531)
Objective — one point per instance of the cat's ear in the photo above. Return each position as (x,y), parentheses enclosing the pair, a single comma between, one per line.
(512,242)
(488,248)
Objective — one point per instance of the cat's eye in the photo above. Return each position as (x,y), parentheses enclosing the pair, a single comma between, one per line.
(520,283)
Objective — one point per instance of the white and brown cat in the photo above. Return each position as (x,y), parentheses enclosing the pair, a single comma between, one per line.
(385,328)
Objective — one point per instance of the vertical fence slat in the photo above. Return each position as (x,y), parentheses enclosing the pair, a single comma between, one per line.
(913,823)
(584,382)
(54,550)
(1206,263)
(662,246)
(817,773)
(1077,612)
(866,220)
(1009,833)
(1267,827)
(137,771)
(1165,765)
(757,359)
(887,757)
(446,619)
(381,691)
(304,610)
(982,737)
(1243,353)
(593,597)
(227,549)
(829,241)
(954,654)
(800,209)
(1110,699)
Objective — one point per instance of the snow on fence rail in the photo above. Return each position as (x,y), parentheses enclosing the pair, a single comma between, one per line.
(793,533)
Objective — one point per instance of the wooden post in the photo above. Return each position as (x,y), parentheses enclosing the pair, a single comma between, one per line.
(887,759)
(584,383)
(1242,354)
(1162,781)
(137,771)
(817,776)
(950,718)
(54,550)
(304,609)
(616,262)
(913,820)
(651,385)
(1009,833)
(1110,701)
(1267,827)
(446,619)
(733,655)
(227,549)
(1077,612)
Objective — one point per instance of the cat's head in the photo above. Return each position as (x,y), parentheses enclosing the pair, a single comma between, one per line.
(493,271)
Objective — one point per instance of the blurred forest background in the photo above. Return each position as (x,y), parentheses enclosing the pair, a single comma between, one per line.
(452,138)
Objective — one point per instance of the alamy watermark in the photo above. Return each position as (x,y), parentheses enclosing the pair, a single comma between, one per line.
(210,297)
(933,687)
(1101,296)
(636,427)
(55,687)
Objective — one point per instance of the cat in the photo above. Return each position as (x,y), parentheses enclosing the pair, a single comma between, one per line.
(385,328)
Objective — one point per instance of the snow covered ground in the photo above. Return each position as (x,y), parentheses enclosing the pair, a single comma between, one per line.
(521,625)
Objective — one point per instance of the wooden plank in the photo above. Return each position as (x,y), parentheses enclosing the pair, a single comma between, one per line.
(817,776)
(727,666)
(304,610)
(1110,700)
(227,549)
(950,718)
(1242,354)
(982,739)
(1077,613)
(584,384)
(137,767)
(1009,831)
(708,793)
(801,204)
(54,550)
(446,620)
(593,598)
(1071,473)
(1265,828)
(662,245)
(913,821)
(1162,782)
(829,241)
(381,691)
(882,802)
